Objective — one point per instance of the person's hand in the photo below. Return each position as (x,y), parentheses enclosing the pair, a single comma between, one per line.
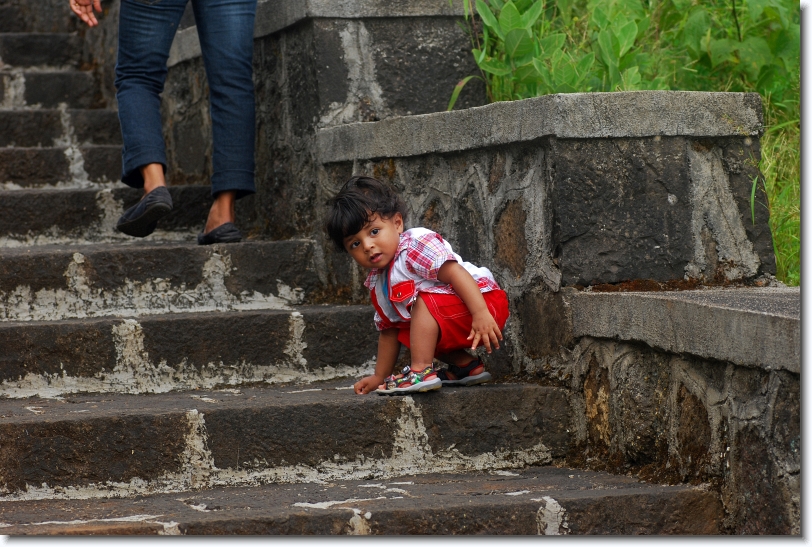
(84,9)
(485,329)
(367,385)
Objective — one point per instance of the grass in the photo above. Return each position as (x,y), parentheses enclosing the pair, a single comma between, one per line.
(781,167)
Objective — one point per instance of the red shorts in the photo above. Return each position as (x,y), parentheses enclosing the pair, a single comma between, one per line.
(455,320)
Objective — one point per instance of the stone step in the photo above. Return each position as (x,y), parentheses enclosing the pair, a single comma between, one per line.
(47,16)
(532,501)
(28,49)
(174,351)
(51,127)
(113,445)
(49,88)
(63,166)
(81,216)
(29,128)
(50,283)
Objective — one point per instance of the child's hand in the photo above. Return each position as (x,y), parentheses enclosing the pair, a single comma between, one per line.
(485,329)
(367,385)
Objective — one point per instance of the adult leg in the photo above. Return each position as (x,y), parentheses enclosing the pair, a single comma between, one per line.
(226,31)
(146,31)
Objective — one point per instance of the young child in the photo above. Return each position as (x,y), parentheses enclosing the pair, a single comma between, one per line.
(424,295)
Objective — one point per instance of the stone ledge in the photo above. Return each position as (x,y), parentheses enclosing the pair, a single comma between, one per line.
(160,353)
(274,16)
(284,434)
(749,327)
(537,500)
(565,116)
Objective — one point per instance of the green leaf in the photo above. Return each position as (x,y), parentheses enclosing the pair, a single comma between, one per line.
(457,88)
(755,8)
(544,72)
(642,25)
(786,45)
(606,42)
(565,10)
(552,42)
(488,18)
(531,16)
(721,51)
(527,74)
(682,5)
(479,56)
(510,19)
(566,75)
(584,64)
(497,68)
(522,5)
(600,18)
(695,29)
(754,53)
(632,7)
(518,44)
(625,37)
(777,13)
(630,79)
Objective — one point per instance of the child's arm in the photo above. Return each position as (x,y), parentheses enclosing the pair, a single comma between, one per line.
(388,349)
(484,326)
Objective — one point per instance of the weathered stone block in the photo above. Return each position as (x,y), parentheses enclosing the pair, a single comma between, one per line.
(693,436)
(78,453)
(509,238)
(290,435)
(49,89)
(29,128)
(71,348)
(622,210)
(546,323)
(538,416)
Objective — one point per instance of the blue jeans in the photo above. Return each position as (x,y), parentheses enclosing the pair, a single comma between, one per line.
(226,31)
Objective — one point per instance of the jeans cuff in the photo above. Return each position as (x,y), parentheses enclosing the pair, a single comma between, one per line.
(131,161)
(240,181)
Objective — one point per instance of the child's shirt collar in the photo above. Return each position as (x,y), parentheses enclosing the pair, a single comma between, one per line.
(372,276)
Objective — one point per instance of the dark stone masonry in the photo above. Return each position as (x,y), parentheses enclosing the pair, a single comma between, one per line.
(649,381)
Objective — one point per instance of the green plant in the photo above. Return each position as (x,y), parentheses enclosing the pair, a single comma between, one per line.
(527,48)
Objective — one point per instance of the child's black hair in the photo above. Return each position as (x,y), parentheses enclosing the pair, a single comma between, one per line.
(359,200)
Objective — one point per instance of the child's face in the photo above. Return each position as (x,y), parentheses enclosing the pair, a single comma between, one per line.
(375,245)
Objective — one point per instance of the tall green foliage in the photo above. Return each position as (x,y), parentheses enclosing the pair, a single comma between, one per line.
(527,48)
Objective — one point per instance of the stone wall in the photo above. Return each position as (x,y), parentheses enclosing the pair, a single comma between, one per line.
(681,387)
(317,64)
(577,190)
(680,419)
(623,190)
(565,196)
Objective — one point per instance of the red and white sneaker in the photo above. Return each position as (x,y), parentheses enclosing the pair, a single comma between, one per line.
(411,382)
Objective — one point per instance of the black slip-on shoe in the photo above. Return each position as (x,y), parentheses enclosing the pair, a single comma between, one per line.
(141,219)
(225,233)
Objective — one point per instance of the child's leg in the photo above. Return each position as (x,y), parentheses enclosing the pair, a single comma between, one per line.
(463,370)
(423,334)
(459,358)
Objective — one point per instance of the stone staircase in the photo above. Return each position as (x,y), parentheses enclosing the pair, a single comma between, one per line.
(160,387)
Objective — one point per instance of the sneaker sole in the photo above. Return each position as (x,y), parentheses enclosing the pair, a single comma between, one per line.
(144,225)
(422,387)
(480,378)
